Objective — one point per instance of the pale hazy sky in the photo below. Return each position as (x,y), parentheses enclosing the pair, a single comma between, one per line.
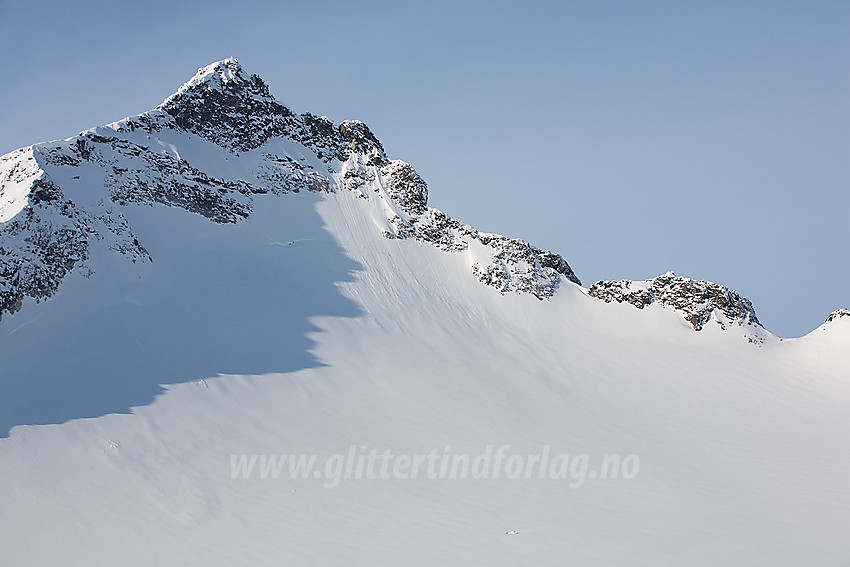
(633,137)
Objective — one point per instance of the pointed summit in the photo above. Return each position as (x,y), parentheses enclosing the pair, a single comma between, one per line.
(224,106)
(236,111)
(214,76)
(130,162)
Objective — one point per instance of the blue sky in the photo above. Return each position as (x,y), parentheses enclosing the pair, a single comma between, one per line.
(707,138)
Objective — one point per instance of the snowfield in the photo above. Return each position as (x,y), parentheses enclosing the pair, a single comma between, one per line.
(315,327)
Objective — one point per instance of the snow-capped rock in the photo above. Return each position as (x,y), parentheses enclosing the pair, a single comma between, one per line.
(51,235)
(236,111)
(224,106)
(696,300)
(511,264)
(405,187)
(838,314)
(57,197)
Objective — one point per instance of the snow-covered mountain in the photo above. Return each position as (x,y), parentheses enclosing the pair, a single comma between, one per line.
(76,189)
(221,279)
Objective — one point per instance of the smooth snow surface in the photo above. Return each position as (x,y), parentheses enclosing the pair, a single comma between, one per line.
(744,451)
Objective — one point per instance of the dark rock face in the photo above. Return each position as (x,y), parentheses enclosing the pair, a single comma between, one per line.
(360,140)
(48,239)
(320,135)
(239,113)
(405,187)
(229,109)
(696,300)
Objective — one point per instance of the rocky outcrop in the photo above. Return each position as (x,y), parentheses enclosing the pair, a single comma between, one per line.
(405,187)
(517,266)
(360,140)
(696,300)
(513,265)
(229,109)
(40,246)
(838,314)
(134,173)
(48,239)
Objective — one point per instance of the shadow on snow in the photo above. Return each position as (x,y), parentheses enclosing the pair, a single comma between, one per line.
(217,299)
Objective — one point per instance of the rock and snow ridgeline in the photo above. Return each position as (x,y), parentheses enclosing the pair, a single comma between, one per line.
(46,233)
(697,300)
(838,314)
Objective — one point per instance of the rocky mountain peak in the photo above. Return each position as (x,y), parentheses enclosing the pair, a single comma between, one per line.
(696,300)
(222,104)
(46,232)
(215,76)
(52,234)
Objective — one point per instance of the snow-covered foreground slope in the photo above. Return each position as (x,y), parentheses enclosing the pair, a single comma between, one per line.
(321,325)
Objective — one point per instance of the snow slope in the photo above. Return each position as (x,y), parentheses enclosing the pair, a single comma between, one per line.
(233,316)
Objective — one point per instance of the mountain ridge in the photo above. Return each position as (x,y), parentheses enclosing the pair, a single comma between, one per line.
(237,112)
